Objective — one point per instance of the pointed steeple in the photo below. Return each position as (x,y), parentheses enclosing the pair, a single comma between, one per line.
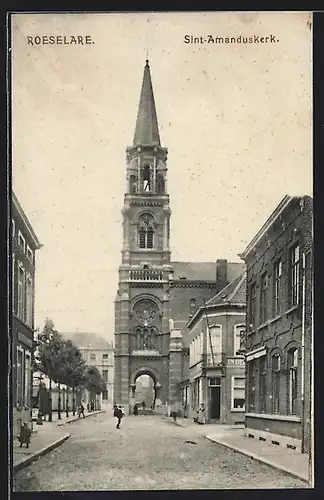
(147,129)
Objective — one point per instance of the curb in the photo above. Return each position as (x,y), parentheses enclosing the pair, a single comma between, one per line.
(24,462)
(77,419)
(257,458)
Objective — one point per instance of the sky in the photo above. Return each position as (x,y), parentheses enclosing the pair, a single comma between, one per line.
(236,119)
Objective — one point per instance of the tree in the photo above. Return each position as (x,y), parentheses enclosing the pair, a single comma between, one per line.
(73,368)
(50,355)
(93,382)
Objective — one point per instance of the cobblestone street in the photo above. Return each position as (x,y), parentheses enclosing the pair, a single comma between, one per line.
(146,453)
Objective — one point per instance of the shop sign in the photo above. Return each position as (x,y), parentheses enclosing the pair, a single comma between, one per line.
(235,362)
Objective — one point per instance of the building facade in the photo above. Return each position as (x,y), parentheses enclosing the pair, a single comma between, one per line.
(98,352)
(279,326)
(154,293)
(217,365)
(24,244)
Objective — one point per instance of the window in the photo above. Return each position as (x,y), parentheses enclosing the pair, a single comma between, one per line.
(146,231)
(294,276)
(29,301)
(21,292)
(263,298)
(142,238)
(13,229)
(192,306)
(262,383)
(105,375)
(92,357)
(13,291)
(238,394)
(21,241)
(277,288)
(292,382)
(239,333)
(30,254)
(145,338)
(214,382)
(252,304)
(275,371)
(214,344)
(251,385)
(105,356)
(27,400)
(20,378)
(149,238)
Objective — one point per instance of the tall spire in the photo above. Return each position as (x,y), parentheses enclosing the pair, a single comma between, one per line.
(147,129)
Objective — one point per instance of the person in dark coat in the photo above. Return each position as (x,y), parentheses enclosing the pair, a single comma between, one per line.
(25,434)
(119,414)
(81,410)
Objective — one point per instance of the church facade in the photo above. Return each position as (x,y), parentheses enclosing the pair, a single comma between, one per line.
(155,296)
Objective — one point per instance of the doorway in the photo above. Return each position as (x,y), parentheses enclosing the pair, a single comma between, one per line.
(145,392)
(215,398)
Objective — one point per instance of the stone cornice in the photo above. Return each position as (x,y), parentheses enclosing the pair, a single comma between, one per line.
(193,284)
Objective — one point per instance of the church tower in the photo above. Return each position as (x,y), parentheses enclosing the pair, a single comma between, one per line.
(142,305)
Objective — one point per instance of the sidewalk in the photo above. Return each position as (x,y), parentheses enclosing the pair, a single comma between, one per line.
(44,439)
(284,459)
(287,460)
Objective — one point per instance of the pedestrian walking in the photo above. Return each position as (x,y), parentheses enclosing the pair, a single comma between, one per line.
(118,413)
(81,411)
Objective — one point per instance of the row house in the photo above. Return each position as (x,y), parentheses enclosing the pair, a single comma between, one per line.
(217,366)
(24,244)
(279,326)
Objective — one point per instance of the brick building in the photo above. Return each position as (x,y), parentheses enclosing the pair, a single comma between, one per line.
(217,367)
(24,244)
(154,294)
(98,352)
(279,326)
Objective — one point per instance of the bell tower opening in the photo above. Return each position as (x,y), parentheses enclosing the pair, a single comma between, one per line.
(160,185)
(147,178)
(132,184)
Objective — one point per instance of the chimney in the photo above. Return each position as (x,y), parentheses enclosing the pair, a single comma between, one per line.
(221,273)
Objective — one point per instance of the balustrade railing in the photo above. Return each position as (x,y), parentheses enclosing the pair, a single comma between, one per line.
(145,275)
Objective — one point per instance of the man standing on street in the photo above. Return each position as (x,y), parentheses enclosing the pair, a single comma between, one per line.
(119,414)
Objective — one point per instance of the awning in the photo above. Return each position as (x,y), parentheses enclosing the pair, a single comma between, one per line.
(256,353)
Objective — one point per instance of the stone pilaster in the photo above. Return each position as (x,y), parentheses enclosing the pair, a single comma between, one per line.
(175,368)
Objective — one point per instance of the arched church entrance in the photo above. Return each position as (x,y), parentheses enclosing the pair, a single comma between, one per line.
(145,391)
